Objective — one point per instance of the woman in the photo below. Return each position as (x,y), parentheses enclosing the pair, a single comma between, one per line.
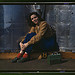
(40,33)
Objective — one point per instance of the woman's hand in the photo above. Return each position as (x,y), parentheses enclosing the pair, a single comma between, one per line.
(21,45)
(24,46)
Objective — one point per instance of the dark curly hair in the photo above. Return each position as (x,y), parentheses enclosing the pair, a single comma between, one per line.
(30,23)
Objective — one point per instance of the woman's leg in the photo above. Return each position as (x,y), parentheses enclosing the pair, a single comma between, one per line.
(48,44)
(27,38)
(28,49)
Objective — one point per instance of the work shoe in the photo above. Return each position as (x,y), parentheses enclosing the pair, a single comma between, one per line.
(15,60)
(40,57)
(22,60)
(43,56)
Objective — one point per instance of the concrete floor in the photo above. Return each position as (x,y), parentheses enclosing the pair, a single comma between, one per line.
(37,65)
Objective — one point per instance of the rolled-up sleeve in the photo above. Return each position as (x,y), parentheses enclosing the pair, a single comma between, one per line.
(32,29)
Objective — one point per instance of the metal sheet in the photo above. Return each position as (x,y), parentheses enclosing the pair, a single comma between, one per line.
(65,26)
(13,23)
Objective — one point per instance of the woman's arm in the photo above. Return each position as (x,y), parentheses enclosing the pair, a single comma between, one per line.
(23,46)
(36,38)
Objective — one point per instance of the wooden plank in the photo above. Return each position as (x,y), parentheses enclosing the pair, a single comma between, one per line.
(68,55)
(13,55)
(36,55)
(8,55)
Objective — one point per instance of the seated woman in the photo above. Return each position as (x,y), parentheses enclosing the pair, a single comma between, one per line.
(41,34)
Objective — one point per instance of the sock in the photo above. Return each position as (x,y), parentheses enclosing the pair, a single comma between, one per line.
(19,55)
(25,55)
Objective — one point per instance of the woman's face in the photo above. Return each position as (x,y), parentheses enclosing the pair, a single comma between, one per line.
(34,19)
